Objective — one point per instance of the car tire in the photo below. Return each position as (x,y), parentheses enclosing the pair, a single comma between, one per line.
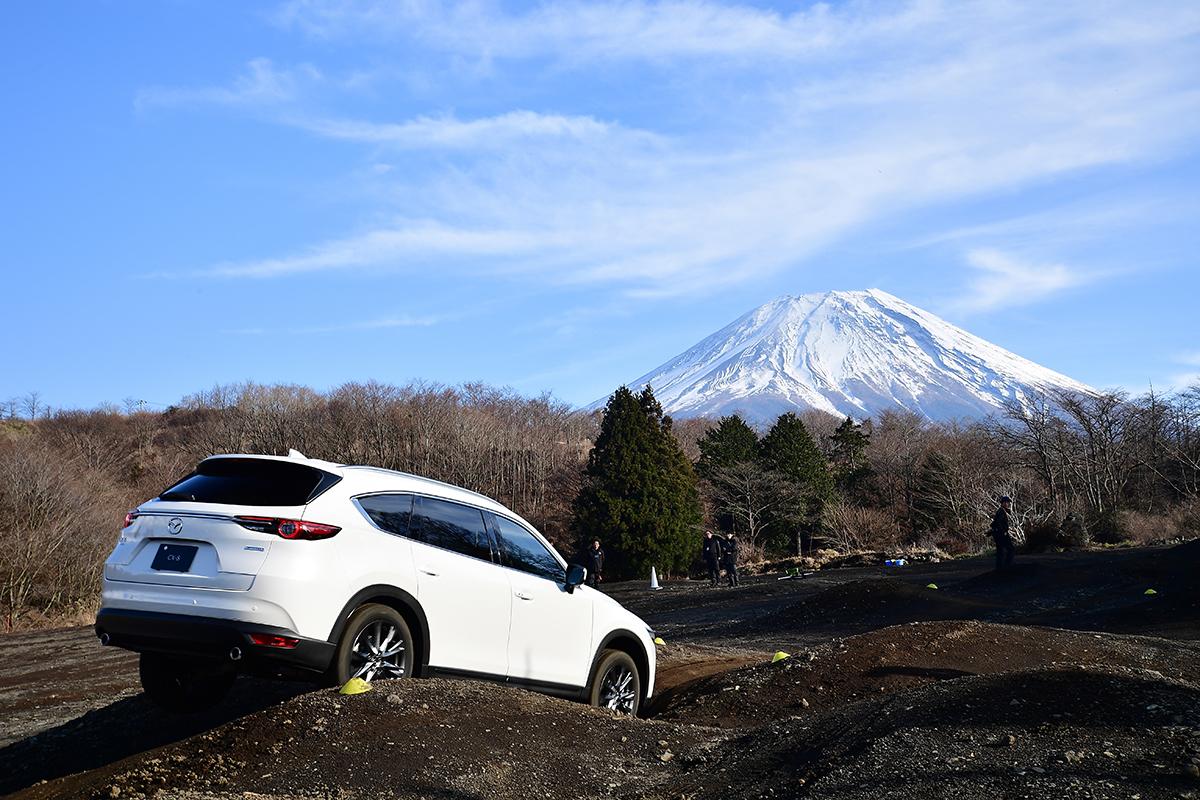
(183,686)
(616,684)
(376,645)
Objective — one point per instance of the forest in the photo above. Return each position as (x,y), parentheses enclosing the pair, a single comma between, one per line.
(1096,470)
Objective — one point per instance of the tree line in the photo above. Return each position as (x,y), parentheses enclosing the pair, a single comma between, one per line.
(1106,468)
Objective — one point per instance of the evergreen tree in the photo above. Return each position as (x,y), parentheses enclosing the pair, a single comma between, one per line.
(639,493)
(790,451)
(849,458)
(728,461)
(730,443)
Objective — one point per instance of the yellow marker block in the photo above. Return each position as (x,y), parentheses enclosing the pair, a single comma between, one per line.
(779,656)
(355,686)
(931,586)
(658,641)
(1149,591)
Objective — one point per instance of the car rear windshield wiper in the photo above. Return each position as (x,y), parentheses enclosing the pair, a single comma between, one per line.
(177,496)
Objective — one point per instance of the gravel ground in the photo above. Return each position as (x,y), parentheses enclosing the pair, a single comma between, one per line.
(1029,685)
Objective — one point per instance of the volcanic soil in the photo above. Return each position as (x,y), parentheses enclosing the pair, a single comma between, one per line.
(1062,679)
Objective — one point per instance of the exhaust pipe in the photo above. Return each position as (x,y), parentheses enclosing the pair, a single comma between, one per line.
(105,638)
(235,654)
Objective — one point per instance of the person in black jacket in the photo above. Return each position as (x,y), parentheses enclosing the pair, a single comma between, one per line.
(594,561)
(712,557)
(1001,522)
(730,558)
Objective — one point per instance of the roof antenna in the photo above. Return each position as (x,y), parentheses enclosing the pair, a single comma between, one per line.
(296,454)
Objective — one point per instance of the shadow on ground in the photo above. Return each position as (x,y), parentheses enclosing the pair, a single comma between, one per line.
(125,728)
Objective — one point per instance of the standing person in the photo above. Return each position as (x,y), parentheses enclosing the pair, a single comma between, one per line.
(731,555)
(712,557)
(594,561)
(1005,552)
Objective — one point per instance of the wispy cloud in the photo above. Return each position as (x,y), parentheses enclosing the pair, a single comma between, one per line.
(262,83)
(449,132)
(1191,359)
(1187,373)
(1002,281)
(848,114)
(397,321)
(385,247)
(605,30)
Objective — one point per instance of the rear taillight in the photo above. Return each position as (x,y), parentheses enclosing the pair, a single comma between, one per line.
(271,640)
(288,528)
(129,518)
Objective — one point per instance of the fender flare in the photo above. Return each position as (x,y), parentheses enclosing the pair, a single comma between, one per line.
(642,663)
(397,596)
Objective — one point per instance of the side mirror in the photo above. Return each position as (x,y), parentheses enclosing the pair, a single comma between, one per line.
(576,575)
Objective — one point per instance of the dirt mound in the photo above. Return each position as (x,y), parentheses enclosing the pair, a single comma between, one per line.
(429,738)
(1088,715)
(897,658)
(871,602)
(1093,732)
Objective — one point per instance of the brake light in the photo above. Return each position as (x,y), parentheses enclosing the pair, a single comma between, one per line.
(271,640)
(129,518)
(288,528)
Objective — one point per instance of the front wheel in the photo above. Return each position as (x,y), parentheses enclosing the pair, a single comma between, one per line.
(183,686)
(377,643)
(616,685)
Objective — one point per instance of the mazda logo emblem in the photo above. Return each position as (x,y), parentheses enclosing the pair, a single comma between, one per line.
(175,526)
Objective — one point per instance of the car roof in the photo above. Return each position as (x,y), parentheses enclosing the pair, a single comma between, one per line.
(362,479)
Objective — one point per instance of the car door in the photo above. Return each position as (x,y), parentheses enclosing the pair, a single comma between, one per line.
(550,636)
(464,594)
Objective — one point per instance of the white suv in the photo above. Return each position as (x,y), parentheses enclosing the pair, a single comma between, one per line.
(281,566)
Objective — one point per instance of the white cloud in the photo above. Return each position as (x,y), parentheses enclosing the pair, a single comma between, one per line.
(1003,281)
(1191,359)
(396,321)
(448,132)
(606,30)
(261,84)
(1189,376)
(383,247)
(824,120)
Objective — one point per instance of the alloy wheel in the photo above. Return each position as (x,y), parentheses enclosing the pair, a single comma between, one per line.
(617,690)
(377,651)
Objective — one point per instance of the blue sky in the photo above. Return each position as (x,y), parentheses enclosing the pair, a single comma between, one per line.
(560,197)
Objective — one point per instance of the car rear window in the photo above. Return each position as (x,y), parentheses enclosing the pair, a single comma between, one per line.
(251,482)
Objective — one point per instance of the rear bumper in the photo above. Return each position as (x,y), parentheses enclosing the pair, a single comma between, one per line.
(208,637)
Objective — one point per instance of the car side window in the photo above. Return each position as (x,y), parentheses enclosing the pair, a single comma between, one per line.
(524,551)
(392,512)
(451,526)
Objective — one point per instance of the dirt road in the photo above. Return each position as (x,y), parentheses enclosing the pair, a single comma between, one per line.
(1062,679)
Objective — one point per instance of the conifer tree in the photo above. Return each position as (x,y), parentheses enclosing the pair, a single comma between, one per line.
(639,493)
(790,451)
(849,457)
(730,443)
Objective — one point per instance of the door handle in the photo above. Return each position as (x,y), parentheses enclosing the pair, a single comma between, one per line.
(522,595)
(427,571)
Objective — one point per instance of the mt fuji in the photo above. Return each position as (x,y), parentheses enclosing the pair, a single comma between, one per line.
(851,354)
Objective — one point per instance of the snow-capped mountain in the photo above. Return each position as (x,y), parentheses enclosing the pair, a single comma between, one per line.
(848,353)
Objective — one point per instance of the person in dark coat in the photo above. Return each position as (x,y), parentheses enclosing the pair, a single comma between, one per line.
(1001,523)
(594,561)
(712,557)
(730,558)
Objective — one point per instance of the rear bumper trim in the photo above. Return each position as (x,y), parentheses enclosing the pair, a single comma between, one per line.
(208,637)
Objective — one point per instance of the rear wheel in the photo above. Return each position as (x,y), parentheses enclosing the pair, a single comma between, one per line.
(616,684)
(377,644)
(181,685)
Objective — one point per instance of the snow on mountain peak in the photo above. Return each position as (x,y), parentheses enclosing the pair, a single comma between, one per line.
(851,353)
